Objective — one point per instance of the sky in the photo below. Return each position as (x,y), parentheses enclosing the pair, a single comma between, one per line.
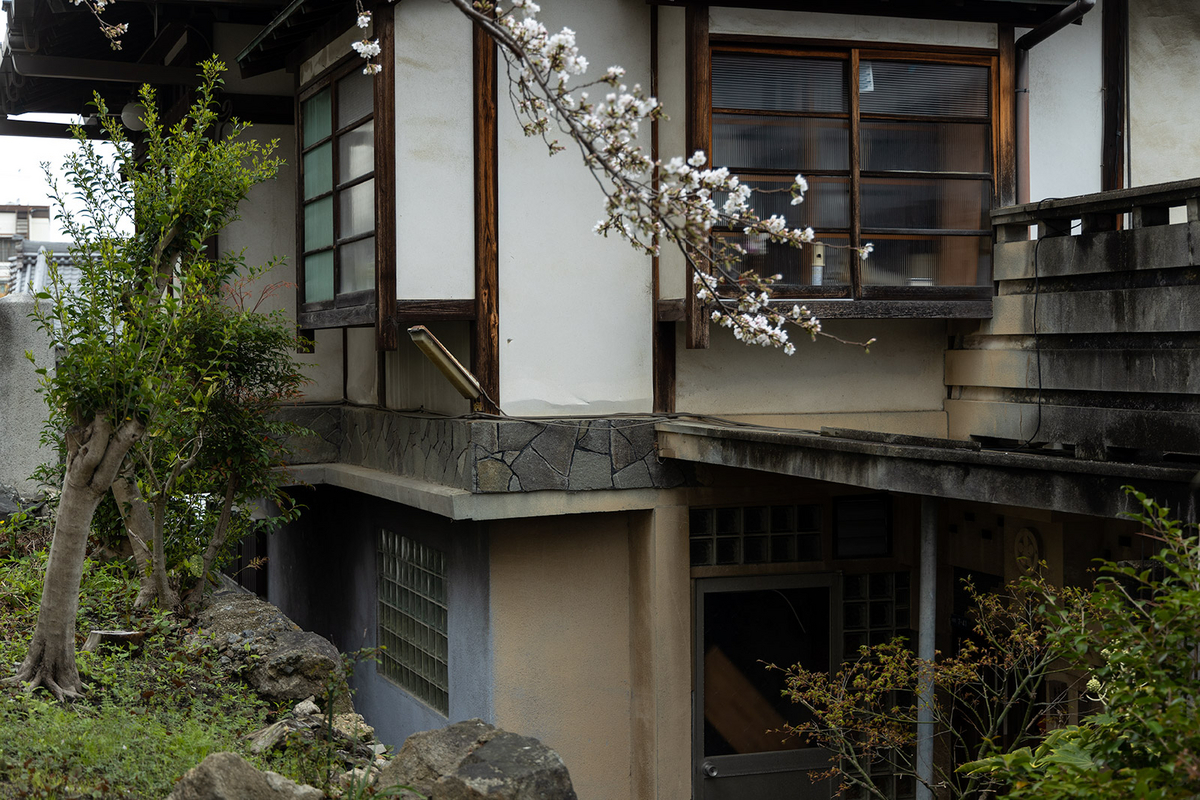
(21,177)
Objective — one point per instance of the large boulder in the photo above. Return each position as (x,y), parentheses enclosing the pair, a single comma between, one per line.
(297,664)
(279,659)
(508,767)
(228,776)
(473,760)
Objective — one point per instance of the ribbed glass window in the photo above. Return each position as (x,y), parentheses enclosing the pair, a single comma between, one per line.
(926,146)
(926,203)
(921,89)
(774,83)
(754,141)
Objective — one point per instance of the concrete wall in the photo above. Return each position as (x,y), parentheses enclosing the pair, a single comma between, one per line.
(1164,70)
(901,375)
(22,409)
(435,167)
(561,632)
(323,576)
(575,309)
(1066,111)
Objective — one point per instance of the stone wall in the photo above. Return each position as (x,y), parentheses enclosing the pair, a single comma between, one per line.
(22,409)
(488,455)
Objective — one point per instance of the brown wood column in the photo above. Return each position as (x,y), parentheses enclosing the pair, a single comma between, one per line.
(662,334)
(699,137)
(1114,37)
(1005,134)
(385,182)
(485,355)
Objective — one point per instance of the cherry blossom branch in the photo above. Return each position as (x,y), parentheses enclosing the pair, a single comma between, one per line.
(648,201)
(112,32)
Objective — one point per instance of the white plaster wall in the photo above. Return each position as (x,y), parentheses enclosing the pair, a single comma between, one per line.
(1066,111)
(267,230)
(1164,73)
(8,223)
(575,309)
(758,22)
(435,188)
(902,372)
(39,229)
(672,132)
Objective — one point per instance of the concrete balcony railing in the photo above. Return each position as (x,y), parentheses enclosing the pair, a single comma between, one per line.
(1094,342)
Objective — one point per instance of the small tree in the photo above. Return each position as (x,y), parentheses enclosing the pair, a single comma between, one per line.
(1141,645)
(125,364)
(986,698)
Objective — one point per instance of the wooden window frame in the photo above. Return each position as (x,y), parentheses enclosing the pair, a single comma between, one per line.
(367,307)
(873,300)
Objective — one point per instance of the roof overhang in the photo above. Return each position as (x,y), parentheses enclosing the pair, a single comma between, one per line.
(291,30)
(932,467)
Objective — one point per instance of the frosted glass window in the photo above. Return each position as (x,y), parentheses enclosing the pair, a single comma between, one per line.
(358,265)
(914,88)
(356,97)
(746,141)
(929,261)
(356,152)
(318,224)
(798,266)
(318,277)
(413,609)
(357,206)
(318,170)
(826,203)
(926,203)
(316,116)
(926,146)
(774,83)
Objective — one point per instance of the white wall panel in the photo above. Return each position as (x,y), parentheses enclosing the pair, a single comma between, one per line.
(435,191)
(575,309)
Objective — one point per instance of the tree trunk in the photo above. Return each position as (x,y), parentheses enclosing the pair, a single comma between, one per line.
(166,596)
(140,529)
(94,455)
(215,543)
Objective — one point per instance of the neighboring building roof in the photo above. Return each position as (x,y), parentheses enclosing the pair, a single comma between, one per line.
(22,268)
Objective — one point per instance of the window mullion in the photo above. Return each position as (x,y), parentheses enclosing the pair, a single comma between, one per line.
(855,183)
(337,200)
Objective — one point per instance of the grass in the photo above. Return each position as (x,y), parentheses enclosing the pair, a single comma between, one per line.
(148,715)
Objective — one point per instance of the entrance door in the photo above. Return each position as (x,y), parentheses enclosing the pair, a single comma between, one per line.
(740,624)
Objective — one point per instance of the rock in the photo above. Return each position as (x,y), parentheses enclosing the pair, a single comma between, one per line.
(298,666)
(268,737)
(228,776)
(428,755)
(307,708)
(353,726)
(508,767)
(126,639)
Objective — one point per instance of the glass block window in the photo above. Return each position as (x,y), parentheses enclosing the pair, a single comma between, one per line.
(412,618)
(875,609)
(755,535)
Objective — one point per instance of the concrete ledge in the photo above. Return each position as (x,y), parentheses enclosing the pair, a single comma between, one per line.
(459,504)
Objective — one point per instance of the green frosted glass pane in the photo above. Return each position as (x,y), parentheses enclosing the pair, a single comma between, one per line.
(318,224)
(358,265)
(318,170)
(316,113)
(318,277)
(356,97)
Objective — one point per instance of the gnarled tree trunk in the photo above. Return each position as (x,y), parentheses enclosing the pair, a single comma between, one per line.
(94,455)
(139,527)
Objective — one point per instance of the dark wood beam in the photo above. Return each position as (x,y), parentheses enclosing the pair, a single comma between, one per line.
(485,356)
(44,130)
(385,182)
(699,137)
(95,70)
(1114,38)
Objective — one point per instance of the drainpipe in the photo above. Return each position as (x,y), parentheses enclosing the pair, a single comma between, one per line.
(926,630)
(1069,14)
